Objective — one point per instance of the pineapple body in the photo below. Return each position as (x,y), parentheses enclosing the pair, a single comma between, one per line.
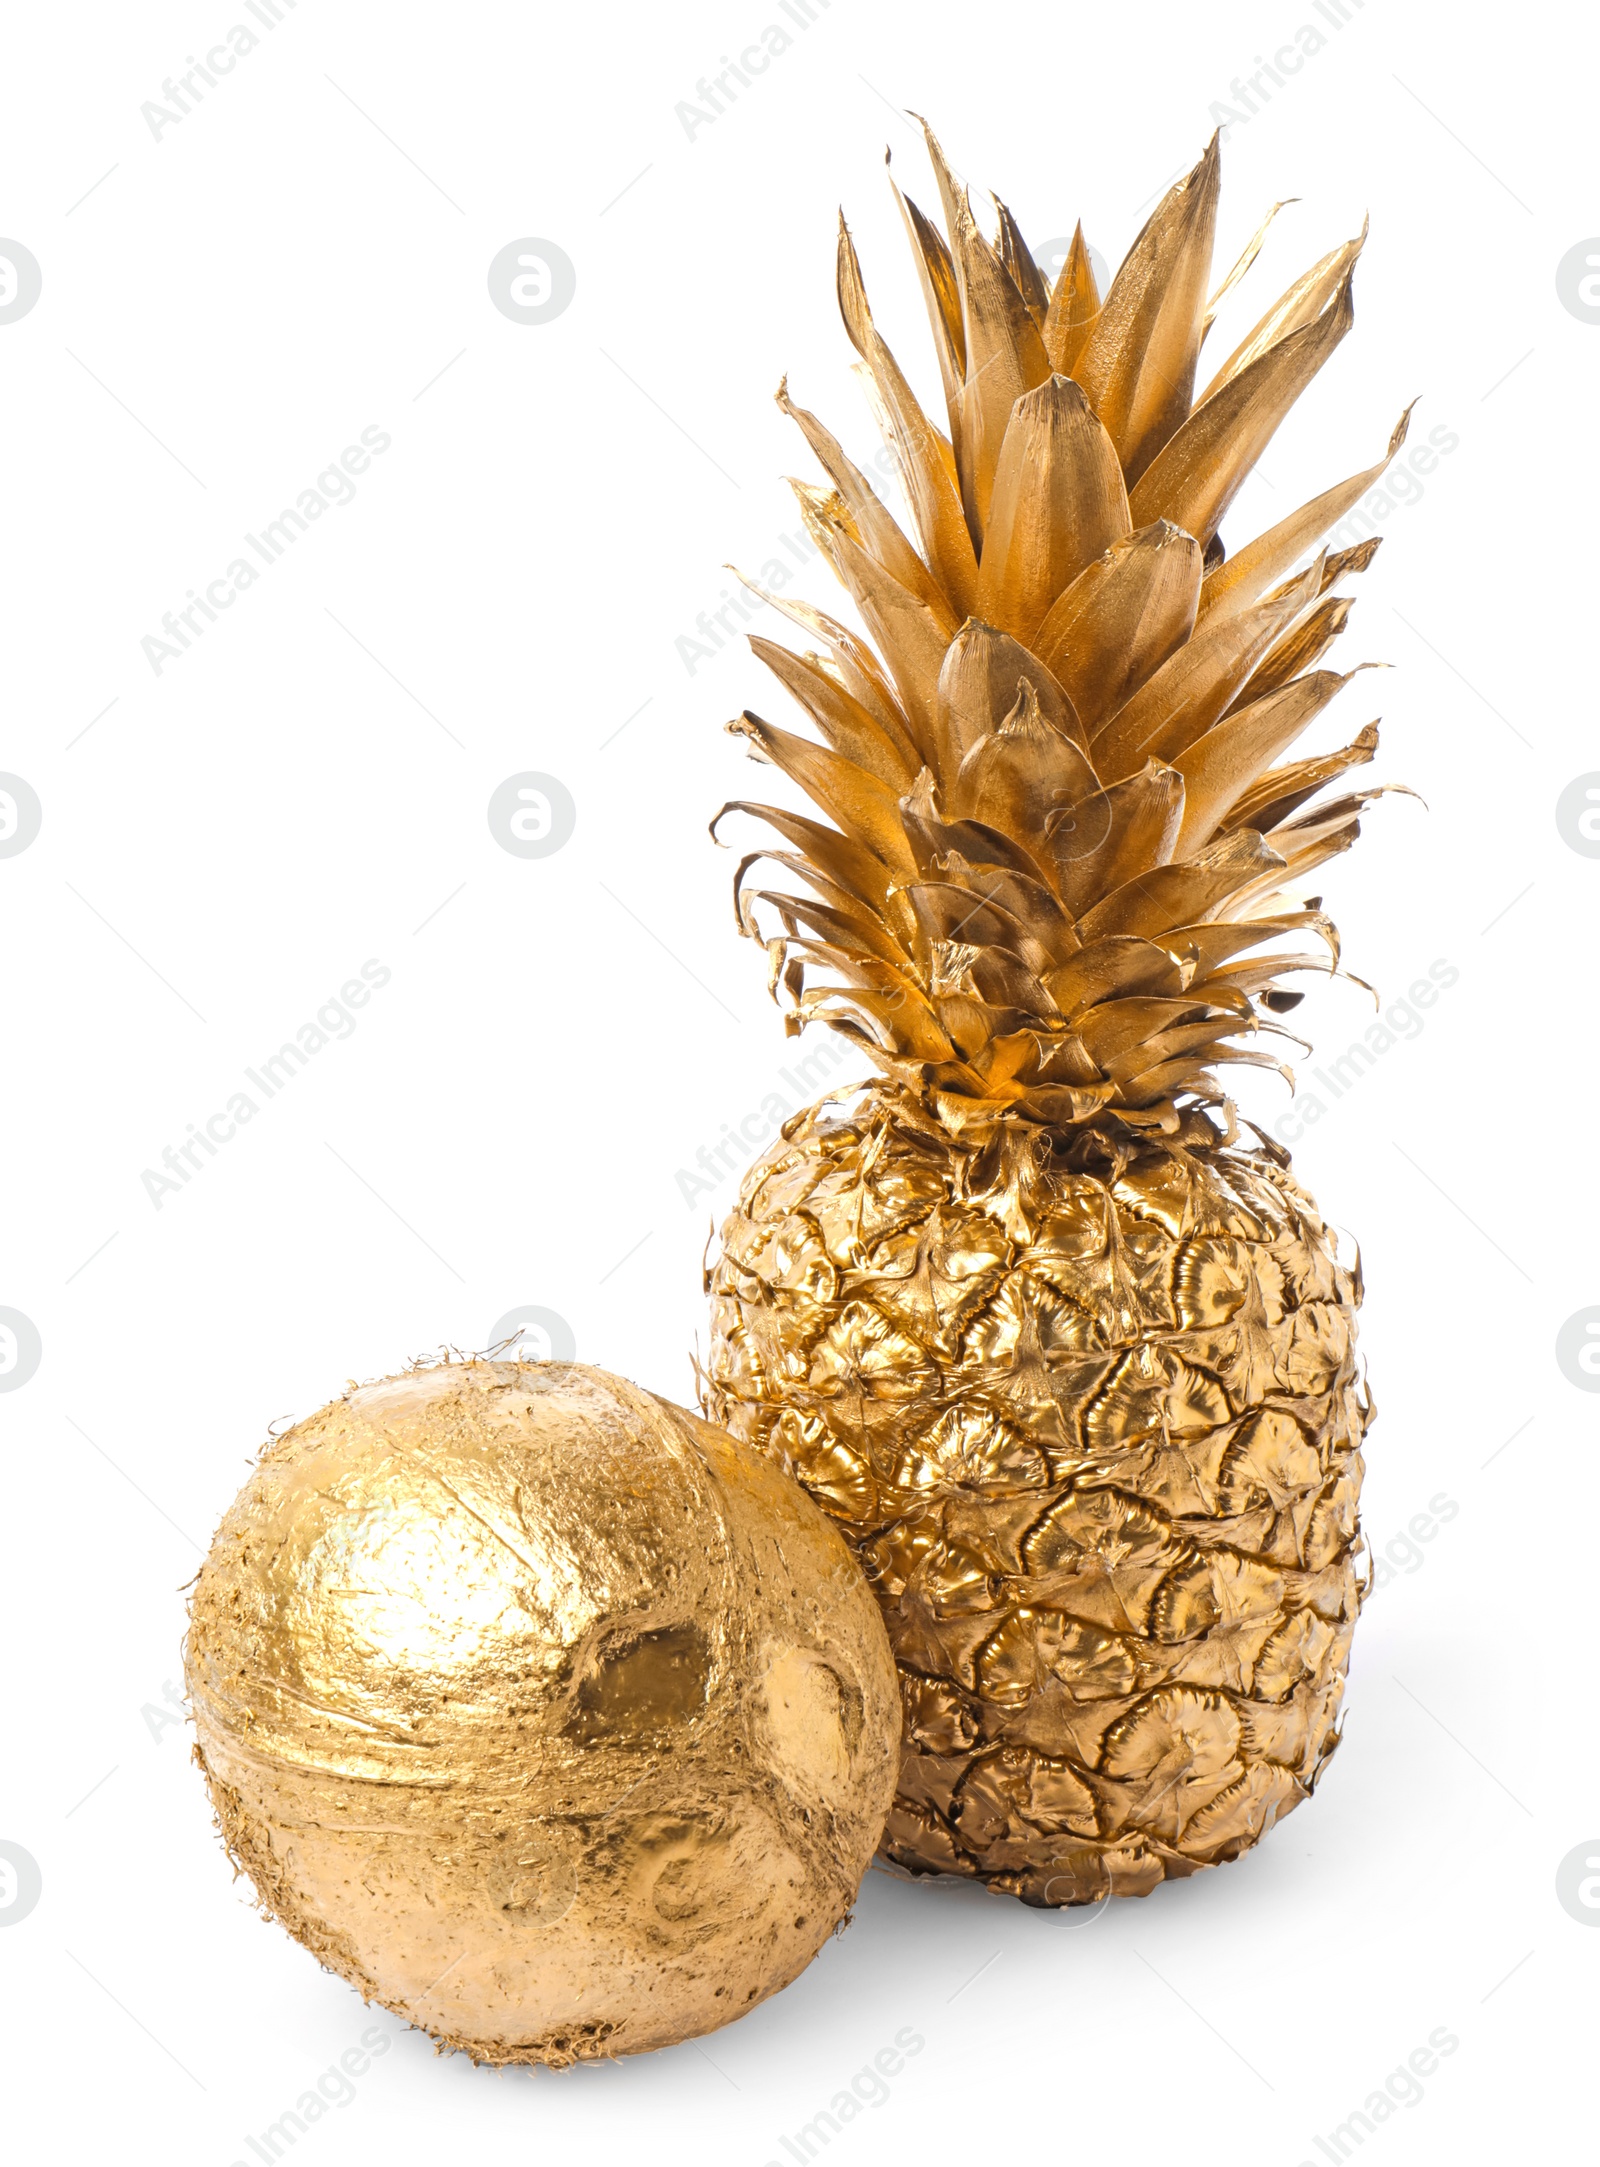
(1091,1419)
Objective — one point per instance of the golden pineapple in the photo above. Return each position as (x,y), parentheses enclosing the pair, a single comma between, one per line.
(1068,1358)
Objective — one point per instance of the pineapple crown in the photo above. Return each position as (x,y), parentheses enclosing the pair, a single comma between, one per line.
(1058,840)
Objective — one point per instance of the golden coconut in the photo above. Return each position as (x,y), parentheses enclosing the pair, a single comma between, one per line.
(543,1712)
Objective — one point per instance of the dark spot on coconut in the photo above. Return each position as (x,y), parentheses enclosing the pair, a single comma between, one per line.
(643,1684)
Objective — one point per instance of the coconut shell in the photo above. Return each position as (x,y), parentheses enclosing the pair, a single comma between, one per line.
(540,1710)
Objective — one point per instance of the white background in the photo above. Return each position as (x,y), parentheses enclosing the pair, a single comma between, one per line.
(300,258)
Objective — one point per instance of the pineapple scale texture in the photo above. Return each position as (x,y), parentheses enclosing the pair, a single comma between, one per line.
(1069,1359)
(1095,1437)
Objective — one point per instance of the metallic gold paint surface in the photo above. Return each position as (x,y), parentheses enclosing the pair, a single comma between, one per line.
(540,1710)
(1061,834)
(1071,1365)
(1095,1434)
